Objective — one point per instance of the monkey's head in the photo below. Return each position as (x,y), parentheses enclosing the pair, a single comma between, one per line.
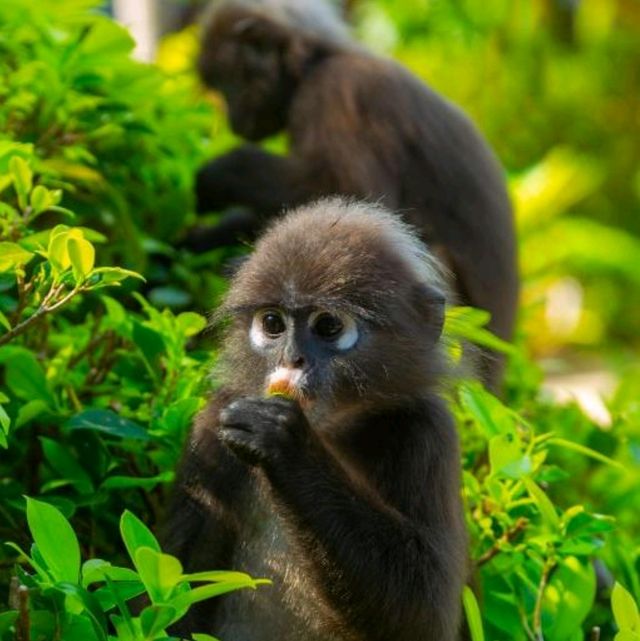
(256,51)
(341,304)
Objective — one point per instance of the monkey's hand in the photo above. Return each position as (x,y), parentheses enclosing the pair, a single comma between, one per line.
(264,431)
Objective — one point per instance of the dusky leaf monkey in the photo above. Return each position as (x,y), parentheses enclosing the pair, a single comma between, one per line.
(345,491)
(358,125)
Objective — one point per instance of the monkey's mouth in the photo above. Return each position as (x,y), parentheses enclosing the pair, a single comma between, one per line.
(289,382)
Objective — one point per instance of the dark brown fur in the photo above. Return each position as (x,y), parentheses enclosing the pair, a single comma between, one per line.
(362,126)
(353,506)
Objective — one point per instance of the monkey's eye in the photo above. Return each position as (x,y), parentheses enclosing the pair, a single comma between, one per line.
(273,324)
(327,325)
(339,329)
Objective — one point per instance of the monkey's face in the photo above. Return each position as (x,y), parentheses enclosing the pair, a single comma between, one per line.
(302,350)
(246,62)
(332,309)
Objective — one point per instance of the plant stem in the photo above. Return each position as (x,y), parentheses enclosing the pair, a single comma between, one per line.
(549,564)
(44,309)
(507,537)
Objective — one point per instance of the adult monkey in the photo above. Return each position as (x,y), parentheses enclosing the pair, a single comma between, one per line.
(358,125)
(348,497)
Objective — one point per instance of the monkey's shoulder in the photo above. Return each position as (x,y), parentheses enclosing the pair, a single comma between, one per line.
(394,432)
(366,82)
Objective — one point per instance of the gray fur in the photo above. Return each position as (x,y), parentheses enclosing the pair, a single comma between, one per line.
(318,19)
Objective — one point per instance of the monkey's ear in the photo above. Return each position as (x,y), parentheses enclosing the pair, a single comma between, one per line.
(430,302)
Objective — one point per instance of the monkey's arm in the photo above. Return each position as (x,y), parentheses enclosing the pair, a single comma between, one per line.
(386,551)
(209,484)
(247,176)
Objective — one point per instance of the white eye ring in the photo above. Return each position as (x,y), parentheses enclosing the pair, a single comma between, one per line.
(257,334)
(348,335)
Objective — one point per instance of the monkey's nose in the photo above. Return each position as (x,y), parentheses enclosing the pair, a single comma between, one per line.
(296,361)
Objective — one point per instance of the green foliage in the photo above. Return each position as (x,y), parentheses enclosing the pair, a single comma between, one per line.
(77,602)
(102,370)
(97,388)
(626,614)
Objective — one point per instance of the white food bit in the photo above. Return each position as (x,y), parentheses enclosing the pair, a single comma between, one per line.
(291,376)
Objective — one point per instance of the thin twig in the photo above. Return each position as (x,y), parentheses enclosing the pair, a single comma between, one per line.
(595,634)
(42,311)
(19,600)
(507,537)
(549,564)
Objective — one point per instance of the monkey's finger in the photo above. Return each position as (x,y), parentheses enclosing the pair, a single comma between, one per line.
(252,411)
(243,444)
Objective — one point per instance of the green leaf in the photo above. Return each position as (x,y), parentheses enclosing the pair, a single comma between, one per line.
(191,323)
(42,199)
(30,411)
(627,635)
(57,250)
(625,610)
(66,465)
(7,619)
(82,256)
(145,482)
(546,507)
(585,451)
(472,612)
(507,457)
(135,535)
(115,275)
(568,598)
(4,321)
(159,572)
(24,375)
(56,540)
(218,576)
(155,618)
(11,257)
(467,323)
(5,424)
(98,570)
(150,343)
(85,601)
(108,422)
(491,416)
(582,523)
(203,637)
(185,599)
(22,179)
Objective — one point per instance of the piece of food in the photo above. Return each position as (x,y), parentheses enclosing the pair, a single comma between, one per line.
(282,388)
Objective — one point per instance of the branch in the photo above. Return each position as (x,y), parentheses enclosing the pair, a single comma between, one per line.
(507,537)
(43,310)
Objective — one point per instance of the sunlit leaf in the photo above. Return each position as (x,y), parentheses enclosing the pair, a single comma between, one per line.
(472,611)
(22,179)
(136,534)
(13,255)
(52,533)
(625,609)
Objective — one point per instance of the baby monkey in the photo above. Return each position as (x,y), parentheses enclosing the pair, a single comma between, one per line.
(327,461)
